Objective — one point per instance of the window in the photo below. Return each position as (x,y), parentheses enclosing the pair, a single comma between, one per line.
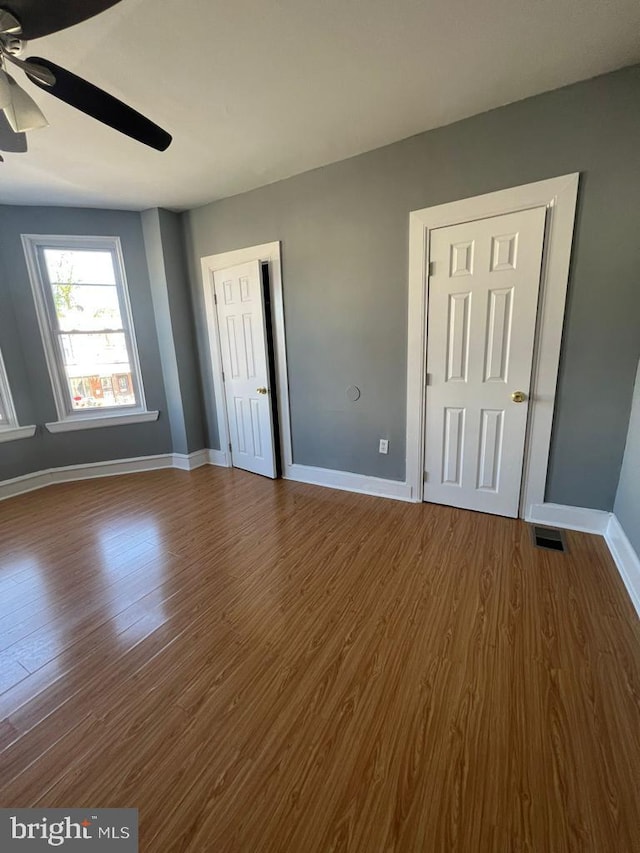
(85,318)
(9,429)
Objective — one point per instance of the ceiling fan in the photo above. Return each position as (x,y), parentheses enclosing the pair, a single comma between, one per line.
(22,20)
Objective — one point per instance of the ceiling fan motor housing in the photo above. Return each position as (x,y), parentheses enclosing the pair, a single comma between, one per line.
(10,30)
(13,45)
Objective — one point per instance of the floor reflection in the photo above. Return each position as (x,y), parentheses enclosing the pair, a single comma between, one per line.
(133,564)
(30,609)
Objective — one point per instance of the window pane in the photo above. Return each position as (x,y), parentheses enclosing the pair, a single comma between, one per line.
(86,308)
(72,266)
(98,370)
(3,415)
(86,321)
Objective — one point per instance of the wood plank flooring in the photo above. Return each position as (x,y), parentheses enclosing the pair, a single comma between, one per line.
(269,666)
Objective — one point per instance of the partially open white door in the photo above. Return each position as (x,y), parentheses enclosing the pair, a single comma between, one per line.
(483,297)
(243,344)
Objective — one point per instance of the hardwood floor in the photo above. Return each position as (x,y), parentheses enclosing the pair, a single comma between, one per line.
(270,666)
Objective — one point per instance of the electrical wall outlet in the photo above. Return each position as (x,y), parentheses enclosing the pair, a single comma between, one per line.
(384,445)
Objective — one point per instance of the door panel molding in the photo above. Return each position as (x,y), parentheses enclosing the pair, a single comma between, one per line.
(269,253)
(470,354)
(242,328)
(559,196)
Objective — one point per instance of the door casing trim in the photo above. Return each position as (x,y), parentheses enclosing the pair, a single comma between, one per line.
(269,253)
(559,196)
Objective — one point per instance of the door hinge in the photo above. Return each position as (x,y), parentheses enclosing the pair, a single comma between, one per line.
(230,448)
(427,379)
(223,376)
(432,267)
(215,298)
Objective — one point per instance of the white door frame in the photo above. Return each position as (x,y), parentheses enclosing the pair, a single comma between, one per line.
(268,252)
(559,196)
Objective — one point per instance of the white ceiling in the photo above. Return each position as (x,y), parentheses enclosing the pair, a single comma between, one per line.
(255,91)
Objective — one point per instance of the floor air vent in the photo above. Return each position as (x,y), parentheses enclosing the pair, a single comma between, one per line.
(549,538)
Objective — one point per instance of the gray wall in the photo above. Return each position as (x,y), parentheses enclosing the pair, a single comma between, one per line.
(24,356)
(344,233)
(164,244)
(182,325)
(627,505)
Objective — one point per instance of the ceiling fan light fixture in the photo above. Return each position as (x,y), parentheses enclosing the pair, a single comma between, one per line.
(22,112)
(15,143)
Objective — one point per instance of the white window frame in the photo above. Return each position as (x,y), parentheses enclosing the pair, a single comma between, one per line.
(10,431)
(68,418)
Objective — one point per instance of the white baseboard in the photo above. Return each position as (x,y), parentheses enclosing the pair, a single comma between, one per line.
(599,522)
(569,517)
(348,482)
(26,483)
(625,558)
(189,461)
(110,468)
(219,457)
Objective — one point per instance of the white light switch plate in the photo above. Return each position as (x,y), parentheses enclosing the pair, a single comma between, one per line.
(384,445)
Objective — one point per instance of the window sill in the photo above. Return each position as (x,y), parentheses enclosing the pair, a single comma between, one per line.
(16,433)
(76,423)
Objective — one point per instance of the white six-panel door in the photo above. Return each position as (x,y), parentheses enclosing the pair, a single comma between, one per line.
(243,344)
(483,296)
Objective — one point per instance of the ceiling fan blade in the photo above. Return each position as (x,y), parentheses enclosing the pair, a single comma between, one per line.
(40,18)
(35,71)
(87,98)
(14,143)
(23,113)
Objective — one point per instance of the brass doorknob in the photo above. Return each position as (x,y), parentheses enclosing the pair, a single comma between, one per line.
(518,396)
(262,390)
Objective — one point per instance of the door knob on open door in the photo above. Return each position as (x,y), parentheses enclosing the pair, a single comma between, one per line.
(262,390)
(518,396)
